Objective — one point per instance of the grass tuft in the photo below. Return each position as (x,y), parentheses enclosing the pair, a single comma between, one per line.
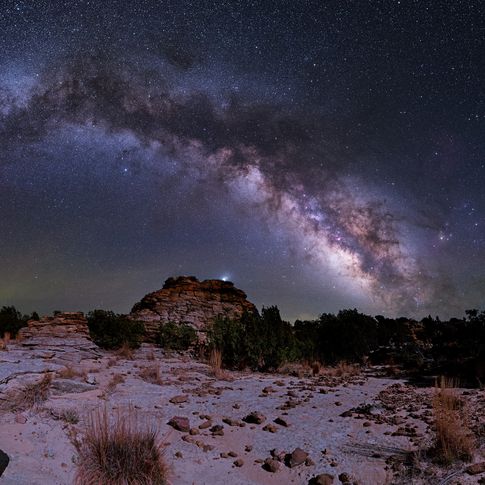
(120,451)
(454,440)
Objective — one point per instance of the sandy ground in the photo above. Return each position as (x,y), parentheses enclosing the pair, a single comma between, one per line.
(389,420)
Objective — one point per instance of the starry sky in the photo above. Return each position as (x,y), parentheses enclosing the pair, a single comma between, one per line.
(319,154)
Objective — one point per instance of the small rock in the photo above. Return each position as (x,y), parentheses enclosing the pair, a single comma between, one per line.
(366,424)
(338,403)
(239,462)
(224,455)
(322,479)
(309,462)
(90,379)
(205,425)
(297,457)
(179,399)
(248,448)
(344,478)
(231,421)
(178,454)
(180,423)
(254,417)
(281,422)
(217,430)
(271,465)
(476,468)
(271,428)
(194,431)
(232,454)
(20,418)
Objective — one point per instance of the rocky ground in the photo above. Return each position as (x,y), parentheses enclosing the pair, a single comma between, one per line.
(242,428)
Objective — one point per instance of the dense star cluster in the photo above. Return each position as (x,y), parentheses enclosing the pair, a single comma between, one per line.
(321,155)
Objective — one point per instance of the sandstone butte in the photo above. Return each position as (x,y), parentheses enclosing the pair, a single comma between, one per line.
(185,299)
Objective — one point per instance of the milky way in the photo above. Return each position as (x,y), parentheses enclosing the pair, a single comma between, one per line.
(292,168)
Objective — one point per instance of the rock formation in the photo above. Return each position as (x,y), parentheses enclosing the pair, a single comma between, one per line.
(187,300)
(65,330)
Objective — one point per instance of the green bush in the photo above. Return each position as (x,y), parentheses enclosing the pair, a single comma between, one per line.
(11,320)
(258,342)
(111,331)
(176,336)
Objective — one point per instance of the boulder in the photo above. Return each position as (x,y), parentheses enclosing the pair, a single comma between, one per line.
(180,423)
(66,334)
(185,299)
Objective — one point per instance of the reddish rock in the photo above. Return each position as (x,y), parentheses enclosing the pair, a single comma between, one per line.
(476,468)
(322,479)
(179,399)
(271,465)
(180,423)
(185,299)
(254,418)
(297,457)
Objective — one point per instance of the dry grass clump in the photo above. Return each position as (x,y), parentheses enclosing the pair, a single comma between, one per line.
(112,361)
(69,372)
(151,374)
(342,369)
(70,416)
(215,364)
(125,351)
(5,341)
(32,394)
(120,451)
(454,440)
(115,380)
(296,369)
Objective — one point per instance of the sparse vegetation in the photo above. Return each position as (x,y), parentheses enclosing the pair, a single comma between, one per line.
(31,394)
(112,331)
(151,373)
(454,440)
(11,321)
(120,451)
(70,416)
(115,380)
(176,336)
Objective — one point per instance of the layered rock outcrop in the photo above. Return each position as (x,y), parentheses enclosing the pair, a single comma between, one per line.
(187,300)
(64,331)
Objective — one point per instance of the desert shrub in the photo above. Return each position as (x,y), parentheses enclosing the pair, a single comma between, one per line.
(176,336)
(111,331)
(31,394)
(258,342)
(11,320)
(453,440)
(120,451)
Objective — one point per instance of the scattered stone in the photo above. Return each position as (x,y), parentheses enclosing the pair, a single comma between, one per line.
(178,454)
(180,423)
(179,399)
(217,430)
(271,465)
(366,424)
(281,422)
(231,421)
(322,479)
(224,455)
(239,462)
(476,468)
(248,448)
(296,458)
(90,379)
(271,428)
(338,403)
(194,431)
(344,478)
(232,454)
(205,425)
(309,462)
(20,418)
(254,418)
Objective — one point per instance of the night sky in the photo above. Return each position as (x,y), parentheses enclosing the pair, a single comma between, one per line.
(319,154)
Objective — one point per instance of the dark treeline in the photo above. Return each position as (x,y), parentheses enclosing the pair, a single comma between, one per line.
(265,341)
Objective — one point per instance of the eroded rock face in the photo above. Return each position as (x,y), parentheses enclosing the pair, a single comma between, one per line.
(65,331)
(187,300)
